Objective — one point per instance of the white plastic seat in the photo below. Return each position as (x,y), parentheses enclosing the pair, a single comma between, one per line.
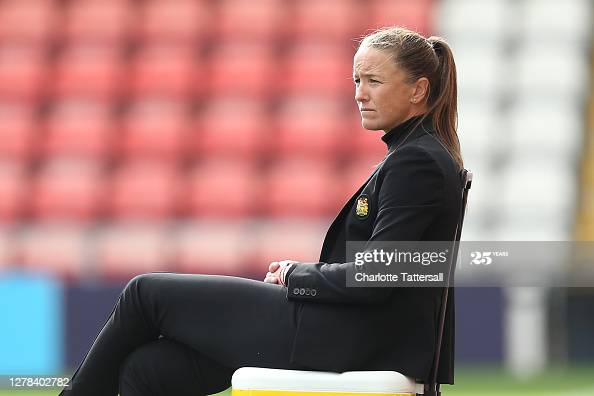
(543,69)
(547,127)
(537,198)
(481,209)
(479,128)
(554,20)
(253,381)
(487,20)
(480,68)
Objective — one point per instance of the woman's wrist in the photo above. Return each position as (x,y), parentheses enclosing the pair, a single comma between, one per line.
(284,273)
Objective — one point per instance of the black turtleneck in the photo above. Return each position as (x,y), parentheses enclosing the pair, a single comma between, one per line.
(396,135)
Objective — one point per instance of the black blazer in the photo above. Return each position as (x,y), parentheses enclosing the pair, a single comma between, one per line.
(413,195)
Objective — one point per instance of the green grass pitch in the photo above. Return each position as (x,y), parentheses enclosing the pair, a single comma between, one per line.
(476,382)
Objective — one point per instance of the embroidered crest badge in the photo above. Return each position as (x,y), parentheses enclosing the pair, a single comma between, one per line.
(362,209)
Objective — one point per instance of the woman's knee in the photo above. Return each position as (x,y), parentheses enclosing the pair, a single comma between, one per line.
(138,296)
(141,282)
(142,278)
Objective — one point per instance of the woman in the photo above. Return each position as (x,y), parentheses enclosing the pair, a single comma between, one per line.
(184,334)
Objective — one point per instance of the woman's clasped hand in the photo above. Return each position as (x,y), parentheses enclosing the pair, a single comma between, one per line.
(276,271)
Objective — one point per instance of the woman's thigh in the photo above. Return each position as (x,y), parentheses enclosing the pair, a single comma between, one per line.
(235,321)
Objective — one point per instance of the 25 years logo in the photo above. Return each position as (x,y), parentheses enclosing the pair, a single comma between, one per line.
(485,258)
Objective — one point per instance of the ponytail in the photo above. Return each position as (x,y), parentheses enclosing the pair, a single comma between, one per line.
(443,103)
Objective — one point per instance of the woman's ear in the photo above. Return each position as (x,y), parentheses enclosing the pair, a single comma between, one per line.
(420,91)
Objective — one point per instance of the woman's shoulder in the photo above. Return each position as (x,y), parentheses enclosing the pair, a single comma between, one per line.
(426,149)
(423,157)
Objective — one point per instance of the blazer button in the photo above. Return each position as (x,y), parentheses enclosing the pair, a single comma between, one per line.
(296,291)
(307,292)
(314,292)
(302,291)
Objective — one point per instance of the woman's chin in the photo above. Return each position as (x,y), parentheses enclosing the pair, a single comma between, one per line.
(370,125)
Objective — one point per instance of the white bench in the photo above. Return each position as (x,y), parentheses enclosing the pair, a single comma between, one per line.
(254,381)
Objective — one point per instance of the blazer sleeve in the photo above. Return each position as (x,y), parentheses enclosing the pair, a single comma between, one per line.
(410,195)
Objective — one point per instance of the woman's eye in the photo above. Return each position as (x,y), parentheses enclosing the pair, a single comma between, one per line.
(356,80)
(373,81)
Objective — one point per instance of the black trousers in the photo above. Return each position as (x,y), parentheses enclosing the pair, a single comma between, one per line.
(184,334)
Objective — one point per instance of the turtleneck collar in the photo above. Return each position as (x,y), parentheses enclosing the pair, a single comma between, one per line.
(396,135)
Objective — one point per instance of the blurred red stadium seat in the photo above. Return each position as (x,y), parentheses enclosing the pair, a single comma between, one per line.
(155,129)
(213,247)
(180,21)
(91,71)
(144,190)
(366,150)
(339,20)
(27,21)
(17,131)
(412,14)
(22,72)
(105,21)
(287,240)
(263,20)
(65,189)
(310,125)
(78,128)
(57,249)
(363,142)
(164,70)
(228,127)
(7,249)
(222,189)
(14,188)
(242,69)
(317,68)
(301,188)
(355,173)
(124,250)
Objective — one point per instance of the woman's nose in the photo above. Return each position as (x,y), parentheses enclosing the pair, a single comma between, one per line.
(361,95)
